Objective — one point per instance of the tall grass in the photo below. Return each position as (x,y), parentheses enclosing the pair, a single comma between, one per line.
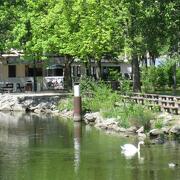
(97,96)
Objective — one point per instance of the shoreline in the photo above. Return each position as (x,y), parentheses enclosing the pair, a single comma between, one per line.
(47,103)
(169,131)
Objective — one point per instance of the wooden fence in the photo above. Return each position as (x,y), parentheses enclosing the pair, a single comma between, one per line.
(167,103)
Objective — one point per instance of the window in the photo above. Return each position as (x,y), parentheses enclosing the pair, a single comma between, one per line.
(54,70)
(12,70)
(30,71)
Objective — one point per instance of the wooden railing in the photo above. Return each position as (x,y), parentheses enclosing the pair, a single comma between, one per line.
(162,102)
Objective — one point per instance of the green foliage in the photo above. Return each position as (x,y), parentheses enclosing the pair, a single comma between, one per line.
(140,115)
(162,77)
(125,86)
(158,77)
(66,104)
(130,114)
(178,76)
(148,79)
(158,123)
(93,29)
(114,75)
(97,96)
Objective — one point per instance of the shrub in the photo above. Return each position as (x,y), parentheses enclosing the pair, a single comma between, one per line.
(130,114)
(178,76)
(149,76)
(158,123)
(97,95)
(66,104)
(141,117)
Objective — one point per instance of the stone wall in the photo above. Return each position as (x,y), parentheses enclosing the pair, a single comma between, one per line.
(31,103)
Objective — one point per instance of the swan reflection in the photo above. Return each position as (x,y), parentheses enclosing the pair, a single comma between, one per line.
(129,151)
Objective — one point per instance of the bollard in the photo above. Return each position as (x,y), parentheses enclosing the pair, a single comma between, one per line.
(77,103)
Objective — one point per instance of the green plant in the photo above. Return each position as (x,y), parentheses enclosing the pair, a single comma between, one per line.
(158,123)
(140,116)
(178,76)
(97,95)
(125,86)
(130,114)
(148,79)
(66,104)
(114,74)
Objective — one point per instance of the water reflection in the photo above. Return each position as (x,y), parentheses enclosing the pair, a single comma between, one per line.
(77,145)
(43,147)
(8,124)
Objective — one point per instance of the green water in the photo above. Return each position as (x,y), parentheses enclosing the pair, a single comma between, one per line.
(45,148)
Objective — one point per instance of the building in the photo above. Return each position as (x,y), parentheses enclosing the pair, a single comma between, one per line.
(21,73)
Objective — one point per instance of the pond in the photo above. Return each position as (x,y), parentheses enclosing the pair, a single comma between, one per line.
(45,148)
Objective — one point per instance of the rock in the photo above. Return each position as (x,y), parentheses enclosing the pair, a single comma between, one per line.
(111,121)
(108,124)
(47,111)
(19,107)
(90,117)
(121,129)
(141,136)
(55,111)
(38,111)
(165,129)
(159,140)
(116,129)
(175,129)
(132,129)
(66,114)
(53,107)
(140,130)
(155,132)
(5,107)
(98,116)
(101,126)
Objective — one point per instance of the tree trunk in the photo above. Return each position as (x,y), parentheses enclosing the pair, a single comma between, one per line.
(145,61)
(98,69)
(67,73)
(88,68)
(136,74)
(34,74)
(174,79)
(153,60)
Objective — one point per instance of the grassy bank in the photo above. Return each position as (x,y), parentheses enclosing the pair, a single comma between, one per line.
(99,97)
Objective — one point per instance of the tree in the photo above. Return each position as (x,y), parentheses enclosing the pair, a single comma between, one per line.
(92,29)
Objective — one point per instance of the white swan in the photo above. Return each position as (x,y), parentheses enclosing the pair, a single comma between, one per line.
(130,150)
(172,165)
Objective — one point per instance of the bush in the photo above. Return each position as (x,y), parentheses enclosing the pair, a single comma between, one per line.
(178,76)
(140,116)
(158,123)
(130,114)
(148,79)
(66,104)
(97,96)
